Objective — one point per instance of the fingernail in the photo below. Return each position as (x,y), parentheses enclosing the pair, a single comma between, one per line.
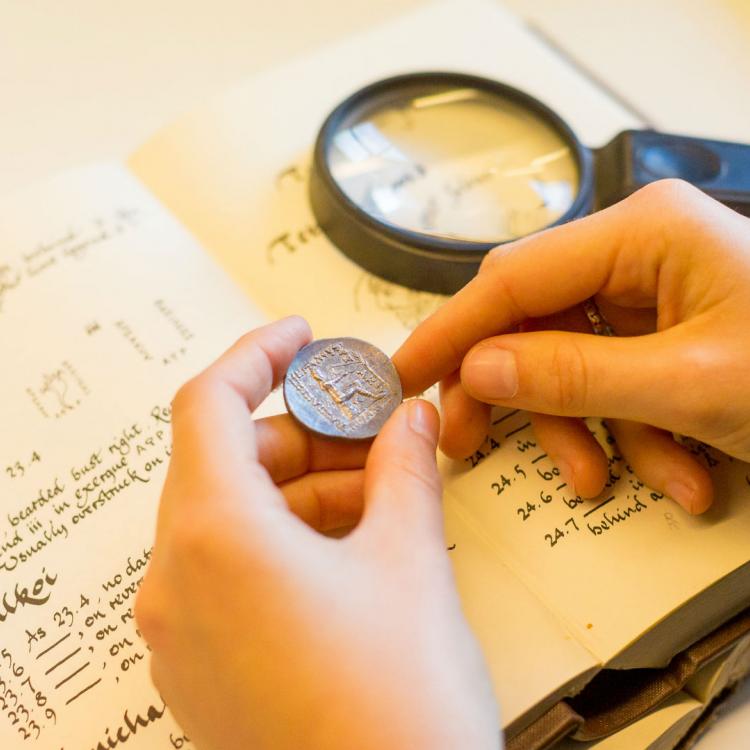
(566,472)
(681,493)
(420,420)
(491,373)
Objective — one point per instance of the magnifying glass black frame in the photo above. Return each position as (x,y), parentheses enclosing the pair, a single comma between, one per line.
(441,264)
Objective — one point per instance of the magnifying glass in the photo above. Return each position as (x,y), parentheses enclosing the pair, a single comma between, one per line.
(416,177)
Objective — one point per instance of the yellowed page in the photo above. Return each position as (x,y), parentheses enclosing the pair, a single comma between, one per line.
(106,305)
(532,659)
(721,672)
(612,567)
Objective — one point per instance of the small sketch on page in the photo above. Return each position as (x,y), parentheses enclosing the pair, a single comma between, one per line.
(58,391)
(408,306)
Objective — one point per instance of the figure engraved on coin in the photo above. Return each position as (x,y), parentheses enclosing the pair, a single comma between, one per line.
(348,379)
(353,388)
(342,388)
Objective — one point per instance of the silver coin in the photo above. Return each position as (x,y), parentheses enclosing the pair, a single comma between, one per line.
(342,388)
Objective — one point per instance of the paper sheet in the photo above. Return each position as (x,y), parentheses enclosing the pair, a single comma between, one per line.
(106,306)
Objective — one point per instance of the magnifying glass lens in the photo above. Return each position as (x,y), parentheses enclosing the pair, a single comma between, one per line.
(454,162)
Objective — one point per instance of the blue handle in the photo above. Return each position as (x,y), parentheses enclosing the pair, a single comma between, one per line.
(636,157)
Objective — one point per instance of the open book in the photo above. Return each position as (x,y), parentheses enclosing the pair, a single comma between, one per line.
(115,288)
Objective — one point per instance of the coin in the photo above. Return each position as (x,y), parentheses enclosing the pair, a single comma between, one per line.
(342,388)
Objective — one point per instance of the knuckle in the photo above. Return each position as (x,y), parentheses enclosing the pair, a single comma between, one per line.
(698,409)
(495,260)
(670,197)
(491,258)
(191,393)
(569,373)
(408,470)
(149,615)
(671,191)
(191,540)
(318,513)
(245,340)
(257,364)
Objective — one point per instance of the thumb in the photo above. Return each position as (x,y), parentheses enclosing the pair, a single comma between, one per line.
(580,375)
(403,490)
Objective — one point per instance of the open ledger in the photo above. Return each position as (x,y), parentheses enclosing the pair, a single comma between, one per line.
(118,282)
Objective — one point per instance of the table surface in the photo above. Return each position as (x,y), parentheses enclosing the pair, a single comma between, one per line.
(86,81)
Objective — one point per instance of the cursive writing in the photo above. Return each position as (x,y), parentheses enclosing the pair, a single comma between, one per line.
(22,596)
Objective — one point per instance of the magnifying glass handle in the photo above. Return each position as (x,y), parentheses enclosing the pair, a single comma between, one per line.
(636,157)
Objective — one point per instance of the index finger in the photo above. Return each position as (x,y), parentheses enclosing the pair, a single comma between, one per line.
(536,276)
(212,423)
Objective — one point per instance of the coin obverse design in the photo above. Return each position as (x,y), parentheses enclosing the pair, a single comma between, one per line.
(342,388)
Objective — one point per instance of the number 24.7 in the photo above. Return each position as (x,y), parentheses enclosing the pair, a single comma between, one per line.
(559,534)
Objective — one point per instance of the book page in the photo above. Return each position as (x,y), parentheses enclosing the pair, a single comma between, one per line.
(532,660)
(615,566)
(106,306)
(721,673)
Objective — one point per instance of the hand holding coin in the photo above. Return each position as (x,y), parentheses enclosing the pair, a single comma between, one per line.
(301,636)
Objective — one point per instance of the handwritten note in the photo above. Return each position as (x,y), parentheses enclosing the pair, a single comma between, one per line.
(101,319)
(75,244)
(630,545)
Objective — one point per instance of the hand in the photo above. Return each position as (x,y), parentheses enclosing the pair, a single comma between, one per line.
(670,270)
(267,634)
